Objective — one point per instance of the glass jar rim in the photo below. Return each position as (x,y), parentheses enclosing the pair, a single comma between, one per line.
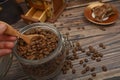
(52,54)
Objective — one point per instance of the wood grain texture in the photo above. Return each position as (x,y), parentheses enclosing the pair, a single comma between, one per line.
(91,34)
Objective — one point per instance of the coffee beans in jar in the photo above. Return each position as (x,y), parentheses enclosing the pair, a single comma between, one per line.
(43,58)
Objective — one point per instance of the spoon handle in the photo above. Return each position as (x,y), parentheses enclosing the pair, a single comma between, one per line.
(10,30)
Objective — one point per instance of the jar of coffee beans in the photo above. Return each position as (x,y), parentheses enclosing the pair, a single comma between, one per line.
(43,58)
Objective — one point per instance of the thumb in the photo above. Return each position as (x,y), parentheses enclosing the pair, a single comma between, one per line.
(2,28)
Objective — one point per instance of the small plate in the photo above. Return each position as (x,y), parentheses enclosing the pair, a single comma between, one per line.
(90,15)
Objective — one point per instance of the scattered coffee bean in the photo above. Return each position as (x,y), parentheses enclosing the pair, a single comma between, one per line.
(83,71)
(78,44)
(87,68)
(93,58)
(92,69)
(73,71)
(71,66)
(100,55)
(88,53)
(64,72)
(98,59)
(84,65)
(93,74)
(72,58)
(91,49)
(76,57)
(86,60)
(104,68)
(83,50)
(102,45)
(68,28)
(81,62)
(83,28)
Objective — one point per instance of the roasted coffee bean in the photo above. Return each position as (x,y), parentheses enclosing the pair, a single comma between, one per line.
(88,53)
(91,49)
(86,60)
(74,51)
(73,71)
(102,45)
(69,28)
(64,72)
(94,55)
(72,58)
(83,71)
(104,68)
(87,68)
(83,28)
(93,58)
(90,79)
(81,62)
(100,55)
(98,59)
(93,74)
(84,65)
(78,44)
(76,57)
(71,66)
(75,54)
(92,69)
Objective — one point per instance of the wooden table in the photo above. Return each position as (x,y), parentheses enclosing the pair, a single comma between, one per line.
(73,21)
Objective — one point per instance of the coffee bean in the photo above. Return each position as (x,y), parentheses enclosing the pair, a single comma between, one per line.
(84,65)
(81,62)
(86,60)
(93,74)
(83,71)
(87,68)
(90,79)
(76,57)
(83,50)
(78,44)
(104,68)
(88,53)
(69,28)
(100,55)
(98,59)
(73,71)
(93,58)
(102,45)
(92,69)
(64,72)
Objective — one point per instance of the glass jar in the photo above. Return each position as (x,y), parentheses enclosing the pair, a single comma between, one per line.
(49,66)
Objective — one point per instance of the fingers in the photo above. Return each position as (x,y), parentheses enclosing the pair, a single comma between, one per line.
(6,45)
(5,52)
(2,28)
(7,38)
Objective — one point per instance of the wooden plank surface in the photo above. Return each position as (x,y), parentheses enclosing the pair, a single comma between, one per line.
(87,33)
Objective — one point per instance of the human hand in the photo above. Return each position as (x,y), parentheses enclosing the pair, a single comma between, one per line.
(6,42)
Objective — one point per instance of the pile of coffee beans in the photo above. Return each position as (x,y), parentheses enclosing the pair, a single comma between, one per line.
(93,53)
(40,47)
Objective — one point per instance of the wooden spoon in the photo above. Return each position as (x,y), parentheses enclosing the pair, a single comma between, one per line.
(13,32)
